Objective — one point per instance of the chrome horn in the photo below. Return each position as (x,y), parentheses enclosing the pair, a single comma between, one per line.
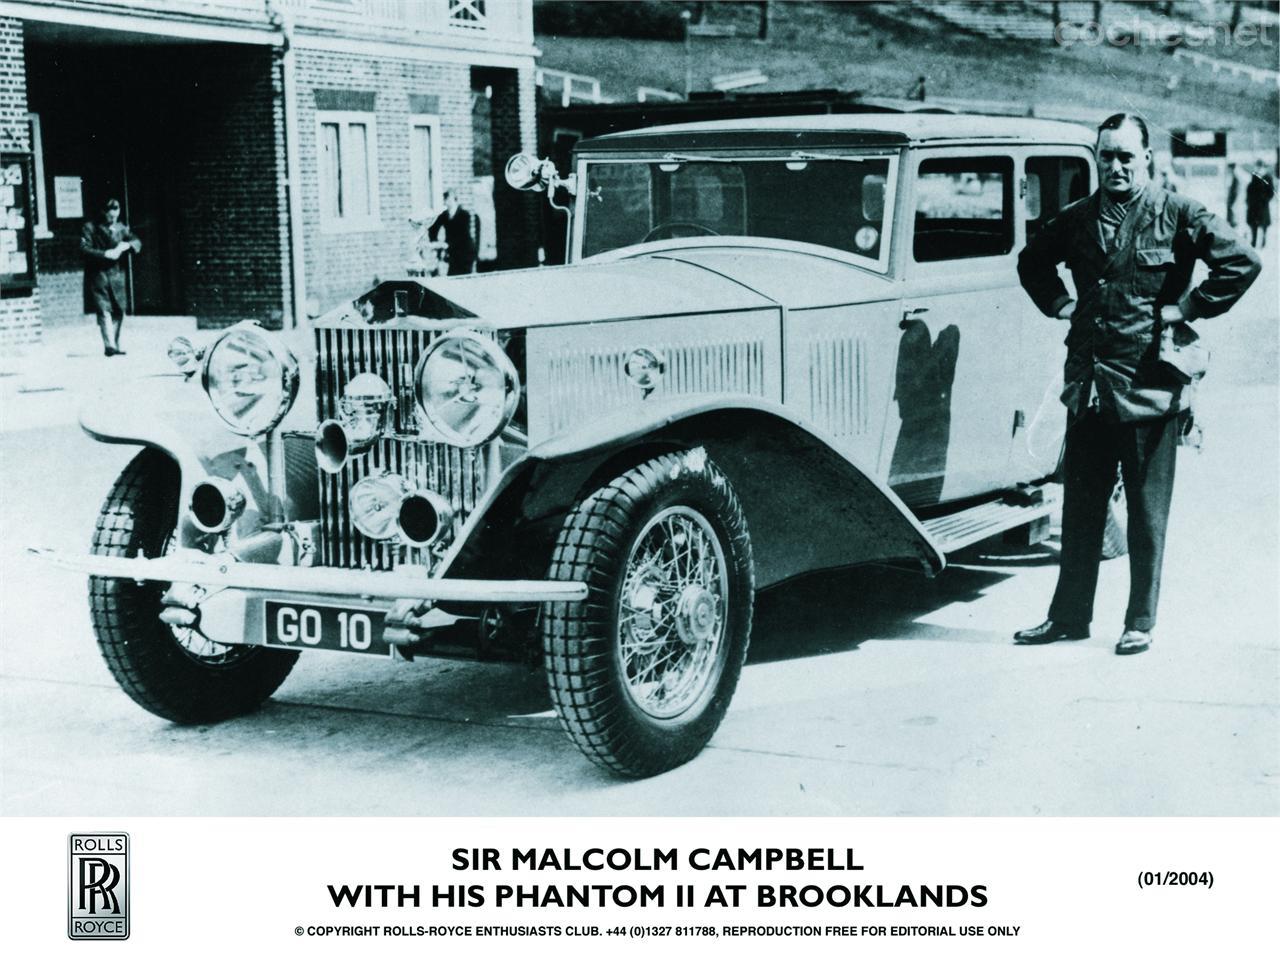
(364,414)
(387,505)
(215,505)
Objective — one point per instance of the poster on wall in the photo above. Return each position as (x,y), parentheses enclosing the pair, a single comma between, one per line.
(17,245)
(68,198)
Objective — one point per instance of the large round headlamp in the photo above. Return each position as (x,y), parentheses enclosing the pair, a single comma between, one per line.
(251,379)
(467,388)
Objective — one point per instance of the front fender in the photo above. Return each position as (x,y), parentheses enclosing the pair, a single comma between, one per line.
(808,505)
(173,415)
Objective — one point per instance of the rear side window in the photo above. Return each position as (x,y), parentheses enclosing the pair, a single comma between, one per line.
(1052,183)
(964,208)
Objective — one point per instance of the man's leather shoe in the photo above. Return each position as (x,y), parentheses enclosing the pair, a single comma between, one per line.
(1051,632)
(1134,641)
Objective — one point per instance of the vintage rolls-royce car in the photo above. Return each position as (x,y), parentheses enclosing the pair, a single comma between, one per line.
(780,345)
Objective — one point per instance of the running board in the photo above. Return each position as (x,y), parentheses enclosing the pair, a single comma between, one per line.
(954,531)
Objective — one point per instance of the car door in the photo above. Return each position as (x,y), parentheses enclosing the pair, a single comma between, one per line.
(954,409)
(839,329)
(1052,177)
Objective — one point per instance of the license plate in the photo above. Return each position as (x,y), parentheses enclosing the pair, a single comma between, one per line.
(319,627)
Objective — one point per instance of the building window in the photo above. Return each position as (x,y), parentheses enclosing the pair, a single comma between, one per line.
(426,192)
(467,14)
(42,231)
(348,158)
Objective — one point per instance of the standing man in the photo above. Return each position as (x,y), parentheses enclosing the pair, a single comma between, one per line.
(105,243)
(1131,248)
(461,230)
(1257,203)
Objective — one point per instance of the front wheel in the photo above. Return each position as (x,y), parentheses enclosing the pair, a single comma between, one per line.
(175,672)
(642,671)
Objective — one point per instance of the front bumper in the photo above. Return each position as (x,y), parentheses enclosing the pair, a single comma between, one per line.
(223,572)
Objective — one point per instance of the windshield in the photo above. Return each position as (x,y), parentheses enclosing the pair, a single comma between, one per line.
(831,201)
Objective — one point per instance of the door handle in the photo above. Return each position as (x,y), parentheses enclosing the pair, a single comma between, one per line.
(912,314)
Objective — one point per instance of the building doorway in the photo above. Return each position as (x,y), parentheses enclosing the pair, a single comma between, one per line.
(108,130)
(183,134)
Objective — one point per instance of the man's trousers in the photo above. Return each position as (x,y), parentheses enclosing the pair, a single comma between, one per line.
(108,305)
(1146,451)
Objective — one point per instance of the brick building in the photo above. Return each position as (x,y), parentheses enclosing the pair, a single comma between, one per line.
(269,153)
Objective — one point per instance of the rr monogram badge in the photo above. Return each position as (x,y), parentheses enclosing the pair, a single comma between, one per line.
(98,886)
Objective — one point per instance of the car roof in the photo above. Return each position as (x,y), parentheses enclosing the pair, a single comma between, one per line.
(848,129)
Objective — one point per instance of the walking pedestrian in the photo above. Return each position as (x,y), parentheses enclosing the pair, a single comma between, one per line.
(105,243)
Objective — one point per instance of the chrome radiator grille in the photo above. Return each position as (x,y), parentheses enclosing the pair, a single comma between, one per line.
(456,474)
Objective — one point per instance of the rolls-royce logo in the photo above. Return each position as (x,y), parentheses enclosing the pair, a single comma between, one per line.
(98,886)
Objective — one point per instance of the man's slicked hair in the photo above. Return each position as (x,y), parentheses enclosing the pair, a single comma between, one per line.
(1118,120)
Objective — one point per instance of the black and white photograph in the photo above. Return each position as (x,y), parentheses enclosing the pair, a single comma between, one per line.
(652,408)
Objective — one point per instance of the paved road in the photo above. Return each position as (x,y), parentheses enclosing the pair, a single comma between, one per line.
(870,692)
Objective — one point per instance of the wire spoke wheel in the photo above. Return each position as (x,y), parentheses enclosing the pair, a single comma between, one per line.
(191,641)
(642,671)
(672,613)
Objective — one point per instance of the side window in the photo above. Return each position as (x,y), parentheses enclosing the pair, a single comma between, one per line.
(1053,183)
(348,170)
(964,208)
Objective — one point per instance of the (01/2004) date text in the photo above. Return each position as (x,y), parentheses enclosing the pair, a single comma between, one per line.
(1175,878)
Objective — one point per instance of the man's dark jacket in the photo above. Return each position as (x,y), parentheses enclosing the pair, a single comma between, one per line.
(460,235)
(1115,330)
(103,276)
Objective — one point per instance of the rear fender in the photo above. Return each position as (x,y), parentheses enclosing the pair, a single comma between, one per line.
(808,506)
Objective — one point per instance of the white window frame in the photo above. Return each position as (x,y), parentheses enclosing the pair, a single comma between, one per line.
(434,202)
(344,119)
(880,264)
(42,231)
(995,151)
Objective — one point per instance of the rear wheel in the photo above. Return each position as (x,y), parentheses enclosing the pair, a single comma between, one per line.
(175,672)
(642,671)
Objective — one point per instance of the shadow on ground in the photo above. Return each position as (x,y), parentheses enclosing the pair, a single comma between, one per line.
(837,611)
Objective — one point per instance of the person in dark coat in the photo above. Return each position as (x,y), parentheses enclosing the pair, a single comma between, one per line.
(1257,203)
(105,243)
(461,232)
(1131,248)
